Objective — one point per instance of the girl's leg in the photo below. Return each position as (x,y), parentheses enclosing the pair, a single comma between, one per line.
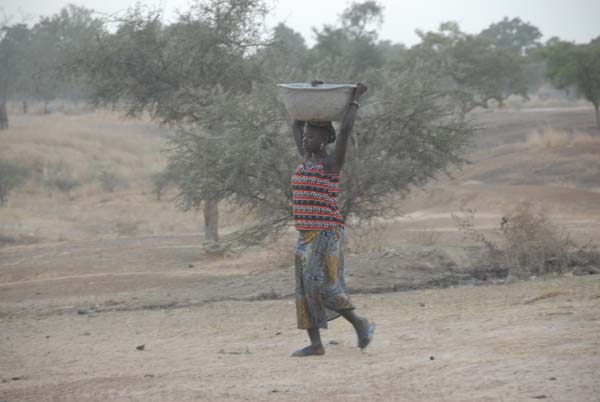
(315,348)
(364,329)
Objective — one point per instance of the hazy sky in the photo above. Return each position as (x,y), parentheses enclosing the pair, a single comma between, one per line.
(572,20)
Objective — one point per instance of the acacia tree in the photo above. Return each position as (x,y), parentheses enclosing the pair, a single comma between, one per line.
(240,147)
(174,71)
(233,140)
(469,66)
(55,41)
(513,34)
(352,44)
(406,134)
(523,39)
(571,65)
(34,62)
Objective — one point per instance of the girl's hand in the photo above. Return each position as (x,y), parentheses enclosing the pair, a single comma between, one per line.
(359,90)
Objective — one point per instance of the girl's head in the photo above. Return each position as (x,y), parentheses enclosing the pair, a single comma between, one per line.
(317,135)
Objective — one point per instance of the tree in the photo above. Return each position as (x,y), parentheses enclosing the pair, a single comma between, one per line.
(469,67)
(176,72)
(569,65)
(233,139)
(55,41)
(513,34)
(353,43)
(11,175)
(14,41)
(247,162)
(522,38)
(406,134)
(34,61)
(285,57)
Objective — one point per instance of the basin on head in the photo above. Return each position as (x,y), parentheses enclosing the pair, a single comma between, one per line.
(324,102)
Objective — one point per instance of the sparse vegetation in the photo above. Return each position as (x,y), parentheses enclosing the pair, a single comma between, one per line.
(110,180)
(161,182)
(528,242)
(532,244)
(571,65)
(550,138)
(60,179)
(11,175)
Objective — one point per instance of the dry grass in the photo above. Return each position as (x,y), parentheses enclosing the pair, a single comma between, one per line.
(550,138)
(546,98)
(425,238)
(89,176)
(94,148)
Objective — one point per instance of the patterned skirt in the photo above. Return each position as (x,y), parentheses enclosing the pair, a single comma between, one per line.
(320,288)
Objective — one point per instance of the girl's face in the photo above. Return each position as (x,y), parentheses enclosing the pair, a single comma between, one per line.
(313,138)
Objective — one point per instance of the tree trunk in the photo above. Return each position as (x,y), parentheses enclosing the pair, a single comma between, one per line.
(211,220)
(3,115)
(597,115)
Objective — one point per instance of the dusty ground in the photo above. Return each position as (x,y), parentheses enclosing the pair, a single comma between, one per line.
(518,342)
(87,276)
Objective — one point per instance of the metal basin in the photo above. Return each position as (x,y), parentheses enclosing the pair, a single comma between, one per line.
(325,102)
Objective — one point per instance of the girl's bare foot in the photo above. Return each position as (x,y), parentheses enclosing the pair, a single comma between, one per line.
(312,350)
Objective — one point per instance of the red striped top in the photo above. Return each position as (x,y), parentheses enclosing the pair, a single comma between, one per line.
(315,197)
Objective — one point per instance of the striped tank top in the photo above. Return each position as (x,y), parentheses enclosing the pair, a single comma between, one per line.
(314,197)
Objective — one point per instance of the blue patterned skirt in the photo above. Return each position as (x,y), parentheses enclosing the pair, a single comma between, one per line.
(320,288)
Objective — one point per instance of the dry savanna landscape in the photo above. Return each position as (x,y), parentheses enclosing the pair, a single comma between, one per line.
(108,292)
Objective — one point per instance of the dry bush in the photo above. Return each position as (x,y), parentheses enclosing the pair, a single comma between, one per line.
(161,182)
(426,238)
(546,97)
(12,232)
(11,175)
(533,245)
(529,243)
(550,138)
(59,178)
(110,180)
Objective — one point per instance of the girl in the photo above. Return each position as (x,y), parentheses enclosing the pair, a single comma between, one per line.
(321,293)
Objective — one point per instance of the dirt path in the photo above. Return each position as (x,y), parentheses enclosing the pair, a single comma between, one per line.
(167,271)
(520,342)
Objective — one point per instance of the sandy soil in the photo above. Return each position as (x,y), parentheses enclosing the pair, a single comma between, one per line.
(128,270)
(518,342)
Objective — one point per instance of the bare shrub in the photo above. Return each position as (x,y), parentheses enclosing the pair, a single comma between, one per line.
(466,223)
(11,176)
(426,238)
(60,178)
(13,233)
(529,243)
(161,182)
(551,138)
(533,244)
(63,183)
(548,138)
(110,180)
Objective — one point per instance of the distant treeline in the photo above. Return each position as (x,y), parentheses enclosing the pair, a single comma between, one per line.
(212,72)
